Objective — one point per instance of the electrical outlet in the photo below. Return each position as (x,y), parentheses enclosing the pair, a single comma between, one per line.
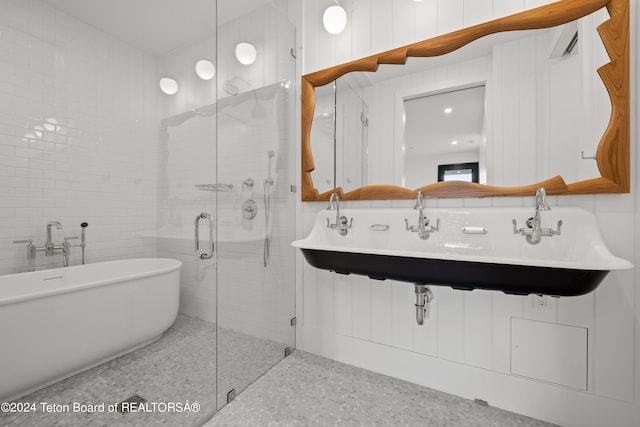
(540,301)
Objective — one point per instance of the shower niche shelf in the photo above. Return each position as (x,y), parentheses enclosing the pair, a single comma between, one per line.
(215,187)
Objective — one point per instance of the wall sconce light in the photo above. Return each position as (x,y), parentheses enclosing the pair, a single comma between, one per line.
(334,19)
(205,69)
(168,85)
(246,53)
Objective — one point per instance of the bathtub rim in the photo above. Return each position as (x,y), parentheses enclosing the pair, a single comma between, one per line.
(172,265)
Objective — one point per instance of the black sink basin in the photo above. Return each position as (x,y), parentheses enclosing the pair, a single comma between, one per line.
(465,275)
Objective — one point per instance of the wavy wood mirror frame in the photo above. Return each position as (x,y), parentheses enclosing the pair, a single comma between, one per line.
(613,150)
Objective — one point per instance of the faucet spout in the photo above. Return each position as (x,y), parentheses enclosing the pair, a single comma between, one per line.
(534,232)
(49,246)
(334,202)
(342,224)
(423,228)
(419,201)
(541,200)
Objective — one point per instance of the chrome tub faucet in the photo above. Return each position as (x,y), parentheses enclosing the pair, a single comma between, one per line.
(50,248)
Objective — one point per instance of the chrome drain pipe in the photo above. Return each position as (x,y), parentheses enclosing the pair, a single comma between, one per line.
(423,297)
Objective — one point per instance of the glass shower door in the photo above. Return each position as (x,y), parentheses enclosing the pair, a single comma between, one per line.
(255,137)
(186,231)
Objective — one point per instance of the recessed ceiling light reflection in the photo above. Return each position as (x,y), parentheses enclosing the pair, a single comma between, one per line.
(168,85)
(246,53)
(205,69)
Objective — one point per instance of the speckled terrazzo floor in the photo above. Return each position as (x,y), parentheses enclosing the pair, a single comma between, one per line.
(307,390)
(178,367)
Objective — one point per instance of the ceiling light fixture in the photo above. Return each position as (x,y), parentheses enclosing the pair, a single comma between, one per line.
(205,69)
(168,85)
(246,53)
(448,110)
(334,19)
(454,142)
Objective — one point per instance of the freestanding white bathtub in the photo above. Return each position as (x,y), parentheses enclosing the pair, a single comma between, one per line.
(56,323)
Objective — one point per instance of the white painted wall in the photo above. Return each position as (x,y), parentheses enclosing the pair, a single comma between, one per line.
(78,132)
(465,346)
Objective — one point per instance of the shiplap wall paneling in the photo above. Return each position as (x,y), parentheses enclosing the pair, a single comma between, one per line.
(450,16)
(451,315)
(403,314)
(381,311)
(425,19)
(504,307)
(478,325)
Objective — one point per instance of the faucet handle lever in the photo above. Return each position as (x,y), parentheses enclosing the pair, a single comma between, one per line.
(558,230)
(71,238)
(344,222)
(27,241)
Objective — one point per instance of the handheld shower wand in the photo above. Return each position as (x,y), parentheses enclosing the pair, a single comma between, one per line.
(83,227)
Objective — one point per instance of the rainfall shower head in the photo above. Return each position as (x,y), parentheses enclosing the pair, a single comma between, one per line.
(231,86)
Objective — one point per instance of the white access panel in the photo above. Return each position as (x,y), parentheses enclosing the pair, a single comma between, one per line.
(549,352)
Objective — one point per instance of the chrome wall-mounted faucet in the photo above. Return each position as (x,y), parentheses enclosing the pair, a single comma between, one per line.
(423,228)
(342,224)
(534,231)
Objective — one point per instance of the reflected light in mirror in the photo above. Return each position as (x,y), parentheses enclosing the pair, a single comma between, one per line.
(205,69)
(334,19)
(246,53)
(168,85)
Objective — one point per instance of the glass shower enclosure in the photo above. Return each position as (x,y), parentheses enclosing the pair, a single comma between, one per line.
(225,205)
(168,127)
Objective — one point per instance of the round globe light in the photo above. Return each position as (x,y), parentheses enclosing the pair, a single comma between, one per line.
(205,69)
(168,85)
(334,19)
(246,53)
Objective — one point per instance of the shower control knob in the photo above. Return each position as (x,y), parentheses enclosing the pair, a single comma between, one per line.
(249,209)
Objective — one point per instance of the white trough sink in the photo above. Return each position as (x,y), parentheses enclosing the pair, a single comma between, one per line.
(473,248)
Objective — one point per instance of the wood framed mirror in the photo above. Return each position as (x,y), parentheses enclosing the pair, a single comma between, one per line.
(613,150)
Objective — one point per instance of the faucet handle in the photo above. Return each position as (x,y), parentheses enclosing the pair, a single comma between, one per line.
(71,238)
(27,241)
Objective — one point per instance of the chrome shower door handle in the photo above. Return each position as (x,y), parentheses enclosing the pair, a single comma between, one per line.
(209,254)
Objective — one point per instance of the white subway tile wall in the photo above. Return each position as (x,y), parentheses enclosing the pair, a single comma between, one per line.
(78,137)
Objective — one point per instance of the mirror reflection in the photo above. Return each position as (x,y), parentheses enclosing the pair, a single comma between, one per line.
(536,109)
(339,136)
(445,137)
